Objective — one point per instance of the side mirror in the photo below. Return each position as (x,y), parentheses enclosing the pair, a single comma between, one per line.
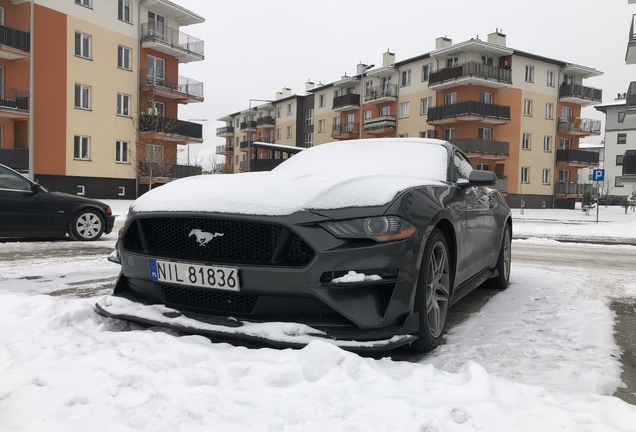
(482,178)
(35,188)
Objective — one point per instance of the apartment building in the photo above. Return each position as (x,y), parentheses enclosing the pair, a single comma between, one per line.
(512,112)
(106,92)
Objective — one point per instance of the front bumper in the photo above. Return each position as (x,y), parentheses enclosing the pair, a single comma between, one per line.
(110,223)
(279,334)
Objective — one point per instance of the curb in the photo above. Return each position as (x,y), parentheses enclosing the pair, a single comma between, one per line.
(607,241)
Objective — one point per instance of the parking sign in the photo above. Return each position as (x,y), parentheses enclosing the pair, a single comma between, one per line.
(598,175)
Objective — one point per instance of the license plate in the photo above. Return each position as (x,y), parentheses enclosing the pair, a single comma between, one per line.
(201,276)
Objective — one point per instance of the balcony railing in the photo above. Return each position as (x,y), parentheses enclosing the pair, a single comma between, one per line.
(347,130)
(581,92)
(631,95)
(18,159)
(582,126)
(14,38)
(481,146)
(380,92)
(247,125)
(346,100)
(224,149)
(261,164)
(577,156)
(265,121)
(164,125)
(157,32)
(14,98)
(223,131)
(171,82)
(502,185)
(574,189)
(470,69)
(379,124)
(469,108)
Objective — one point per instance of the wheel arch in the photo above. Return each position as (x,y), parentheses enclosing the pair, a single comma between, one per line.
(446,227)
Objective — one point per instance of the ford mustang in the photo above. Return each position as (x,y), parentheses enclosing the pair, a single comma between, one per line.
(363,243)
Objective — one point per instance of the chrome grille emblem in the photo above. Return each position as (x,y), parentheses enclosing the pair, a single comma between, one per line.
(203,237)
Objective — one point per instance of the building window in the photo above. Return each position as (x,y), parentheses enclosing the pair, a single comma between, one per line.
(289,131)
(82,96)
(527,107)
(565,144)
(124,11)
(406,78)
(525,141)
(154,153)
(289,109)
(81,147)
(123,104)
(87,3)
(337,92)
(525,174)
(547,143)
(368,87)
(621,116)
(484,133)
(483,167)
(564,176)
(489,61)
(309,117)
(156,108)
(385,111)
(321,126)
(425,104)
(550,79)
(549,110)
(452,62)
(450,98)
(367,114)
(619,160)
(426,71)
(279,112)
(529,73)
(618,181)
(621,138)
(309,139)
(427,134)
(485,97)
(123,57)
(404,109)
(277,134)
(566,113)
(321,100)
(545,178)
(121,151)
(82,45)
(449,134)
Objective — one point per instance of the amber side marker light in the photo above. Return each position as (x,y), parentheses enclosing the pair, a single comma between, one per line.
(399,236)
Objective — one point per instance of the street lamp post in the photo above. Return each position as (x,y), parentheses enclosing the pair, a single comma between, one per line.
(361,122)
(197,120)
(249,130)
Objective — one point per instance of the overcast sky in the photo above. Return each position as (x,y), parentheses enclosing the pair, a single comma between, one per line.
(253,47)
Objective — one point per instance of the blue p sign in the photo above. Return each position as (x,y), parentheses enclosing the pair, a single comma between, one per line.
(598,175)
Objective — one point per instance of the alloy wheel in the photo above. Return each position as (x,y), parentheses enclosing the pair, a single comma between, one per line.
(88,225)
(437,289)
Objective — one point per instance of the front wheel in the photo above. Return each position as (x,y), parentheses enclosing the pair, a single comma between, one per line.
(86,225)
(432,295)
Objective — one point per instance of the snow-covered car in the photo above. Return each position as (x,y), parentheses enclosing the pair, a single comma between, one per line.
(364,243)
(28,210)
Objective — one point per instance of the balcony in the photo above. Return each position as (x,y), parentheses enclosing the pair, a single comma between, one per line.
(471,73)
(581,95)
(261,164)
(630,56)
(346,102)
(14,44)
(629,167)
(574,189)
(485,149)
(18,159)
(171,41)
(247,126)
(469,111)
(268,122)
(346,131)
(381,94)
(169,129)
(226,131)
(167,172)
(245,144)
(380,125)
(577,158)
(580,126)
(14,103)
(171,85)
(224,149)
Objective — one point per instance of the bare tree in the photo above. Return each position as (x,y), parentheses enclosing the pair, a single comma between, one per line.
(607,188)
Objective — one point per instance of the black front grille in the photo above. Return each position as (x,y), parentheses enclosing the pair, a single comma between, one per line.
(209,300)
(241,242)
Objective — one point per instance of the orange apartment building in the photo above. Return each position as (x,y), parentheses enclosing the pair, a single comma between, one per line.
(106,89)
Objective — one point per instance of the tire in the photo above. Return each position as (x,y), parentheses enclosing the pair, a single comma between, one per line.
(86,225)
(432,295)
(504,260)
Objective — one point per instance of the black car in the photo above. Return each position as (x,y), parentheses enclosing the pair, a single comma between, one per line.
(28,210)
(364,243)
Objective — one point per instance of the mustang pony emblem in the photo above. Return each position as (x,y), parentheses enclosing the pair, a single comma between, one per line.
(204,237)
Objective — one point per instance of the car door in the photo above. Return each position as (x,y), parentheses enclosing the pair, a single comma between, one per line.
(23,212)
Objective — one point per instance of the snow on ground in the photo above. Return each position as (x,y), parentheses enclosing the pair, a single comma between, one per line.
(538,356)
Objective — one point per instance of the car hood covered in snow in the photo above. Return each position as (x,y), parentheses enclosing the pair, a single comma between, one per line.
(331,176)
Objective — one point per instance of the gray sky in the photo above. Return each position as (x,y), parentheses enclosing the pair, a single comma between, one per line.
(254,47)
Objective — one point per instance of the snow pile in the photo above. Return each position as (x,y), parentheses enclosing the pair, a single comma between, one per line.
(330,176)
(356,277)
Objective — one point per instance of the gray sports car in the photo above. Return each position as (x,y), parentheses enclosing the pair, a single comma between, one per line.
(362,243)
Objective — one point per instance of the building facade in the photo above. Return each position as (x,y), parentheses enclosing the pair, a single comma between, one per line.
(105,89)
(515,113)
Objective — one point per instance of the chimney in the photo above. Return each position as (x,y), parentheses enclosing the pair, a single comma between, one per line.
(443,42)
(360,68)
(284,93)
(309,85)
(388,58)
(497,38)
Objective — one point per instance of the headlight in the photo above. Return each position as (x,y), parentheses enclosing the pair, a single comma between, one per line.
(379,228)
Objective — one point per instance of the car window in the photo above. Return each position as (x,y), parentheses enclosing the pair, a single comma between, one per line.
(13,181)
(462,167)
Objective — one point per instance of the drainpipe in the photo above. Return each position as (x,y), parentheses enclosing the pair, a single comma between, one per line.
(138,98)
(31,93)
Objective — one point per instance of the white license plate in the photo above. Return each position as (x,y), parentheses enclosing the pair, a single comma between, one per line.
(202,276)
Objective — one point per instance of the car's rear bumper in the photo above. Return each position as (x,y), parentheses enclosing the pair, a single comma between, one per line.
(280,334)
(110,223)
